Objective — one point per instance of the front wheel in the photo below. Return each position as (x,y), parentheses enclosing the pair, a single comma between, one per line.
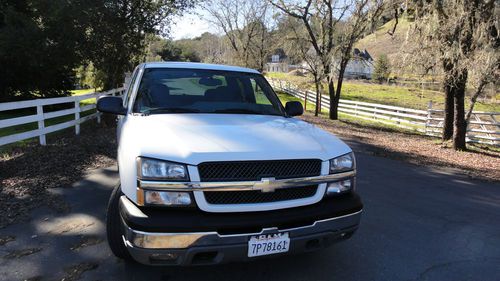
(113,226)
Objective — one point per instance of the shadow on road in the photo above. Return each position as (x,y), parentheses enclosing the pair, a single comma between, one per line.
(419,223)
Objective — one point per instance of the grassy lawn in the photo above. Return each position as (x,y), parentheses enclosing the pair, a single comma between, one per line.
(82,92)
(284,98)
(385,94)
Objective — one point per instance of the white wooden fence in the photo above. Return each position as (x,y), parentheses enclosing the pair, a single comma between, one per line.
(42,115)
(482,128)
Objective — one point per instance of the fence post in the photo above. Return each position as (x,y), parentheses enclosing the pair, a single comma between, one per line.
(41,124)
(97,111)
(77,117)
(429,116)
(305,100)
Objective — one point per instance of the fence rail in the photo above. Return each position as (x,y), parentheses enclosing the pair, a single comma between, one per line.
(483,127)
(41,116)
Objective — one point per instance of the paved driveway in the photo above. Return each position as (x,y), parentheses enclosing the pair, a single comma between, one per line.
(418,224)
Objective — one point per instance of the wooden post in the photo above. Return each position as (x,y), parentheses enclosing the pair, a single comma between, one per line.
(319,101)
(77,117)
(41,124)
(305,100)
(98,113)
(429,116)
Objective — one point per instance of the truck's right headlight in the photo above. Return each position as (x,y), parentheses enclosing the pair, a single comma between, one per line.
(342,163)
(155,169)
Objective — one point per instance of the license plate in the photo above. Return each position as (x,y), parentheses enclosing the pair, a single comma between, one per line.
(262,245)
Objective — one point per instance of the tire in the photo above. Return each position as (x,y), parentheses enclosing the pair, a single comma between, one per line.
(113,226)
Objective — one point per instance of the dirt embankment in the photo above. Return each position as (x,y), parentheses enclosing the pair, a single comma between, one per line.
(29,171)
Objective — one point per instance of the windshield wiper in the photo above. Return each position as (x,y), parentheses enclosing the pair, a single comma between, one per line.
(170,110)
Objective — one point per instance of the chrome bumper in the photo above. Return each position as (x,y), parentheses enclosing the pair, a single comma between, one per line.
(154,240)
(264,184)
(184,248)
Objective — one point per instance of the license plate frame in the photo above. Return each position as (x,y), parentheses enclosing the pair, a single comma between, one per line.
(268,244)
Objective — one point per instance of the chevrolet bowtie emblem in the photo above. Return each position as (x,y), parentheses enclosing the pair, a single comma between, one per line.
(265,185)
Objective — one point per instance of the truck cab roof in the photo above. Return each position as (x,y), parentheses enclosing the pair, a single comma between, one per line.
(197,65)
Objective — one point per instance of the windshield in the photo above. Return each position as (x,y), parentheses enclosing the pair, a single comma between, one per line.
(169,90)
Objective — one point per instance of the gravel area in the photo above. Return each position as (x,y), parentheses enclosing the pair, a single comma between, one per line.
(480,163)
(28,172)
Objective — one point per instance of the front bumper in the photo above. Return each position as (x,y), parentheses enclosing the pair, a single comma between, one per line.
(152,242)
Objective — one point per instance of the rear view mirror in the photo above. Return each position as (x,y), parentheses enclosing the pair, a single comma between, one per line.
(209,81)
(294,108)
(113,105)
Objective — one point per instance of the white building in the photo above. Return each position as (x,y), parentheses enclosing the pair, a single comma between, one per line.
(280,63)
(360,65)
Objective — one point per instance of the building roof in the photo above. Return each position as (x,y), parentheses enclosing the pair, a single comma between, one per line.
(197,65)
(362,54)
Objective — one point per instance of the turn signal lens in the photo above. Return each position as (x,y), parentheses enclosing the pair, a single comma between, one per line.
(339,187)
(167,198)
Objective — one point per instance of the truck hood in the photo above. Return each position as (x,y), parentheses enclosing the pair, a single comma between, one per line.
(196,138)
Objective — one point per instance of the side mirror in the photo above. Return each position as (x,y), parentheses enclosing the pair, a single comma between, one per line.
(113,105)
(294,108)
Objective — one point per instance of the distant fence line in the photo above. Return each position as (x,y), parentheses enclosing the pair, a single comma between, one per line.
(42,115)
(483,127)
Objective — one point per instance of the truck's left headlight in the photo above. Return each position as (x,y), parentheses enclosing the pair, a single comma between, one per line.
(342,163)
(154,169)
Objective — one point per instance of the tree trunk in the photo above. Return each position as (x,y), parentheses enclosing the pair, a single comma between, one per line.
(340,80)
(473,99)
(333,99)
(318,95)
(449,113)
(459,124)
(449,110)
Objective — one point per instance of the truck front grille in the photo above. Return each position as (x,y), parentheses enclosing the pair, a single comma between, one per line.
(256,170)
(257,196)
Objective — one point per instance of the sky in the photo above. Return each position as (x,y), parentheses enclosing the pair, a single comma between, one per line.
(191,25)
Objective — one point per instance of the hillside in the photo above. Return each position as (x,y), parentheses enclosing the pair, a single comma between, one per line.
(380,42)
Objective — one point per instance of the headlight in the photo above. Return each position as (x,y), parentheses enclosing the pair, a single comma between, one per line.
(158,169)
(342,163)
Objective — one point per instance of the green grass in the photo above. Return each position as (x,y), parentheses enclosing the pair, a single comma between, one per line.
(284,98)
(82,92)
(386,94)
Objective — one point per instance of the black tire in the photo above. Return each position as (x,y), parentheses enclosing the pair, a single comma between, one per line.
(113,226)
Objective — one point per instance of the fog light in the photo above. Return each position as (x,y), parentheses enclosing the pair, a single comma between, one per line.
(339,187)
(167,198)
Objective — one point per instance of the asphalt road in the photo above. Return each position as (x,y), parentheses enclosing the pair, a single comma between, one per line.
(419,223)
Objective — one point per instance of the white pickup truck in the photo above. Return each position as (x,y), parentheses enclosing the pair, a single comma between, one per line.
(214,169)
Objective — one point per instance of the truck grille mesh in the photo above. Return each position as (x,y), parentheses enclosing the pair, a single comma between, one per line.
(256,170)
(256,196)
